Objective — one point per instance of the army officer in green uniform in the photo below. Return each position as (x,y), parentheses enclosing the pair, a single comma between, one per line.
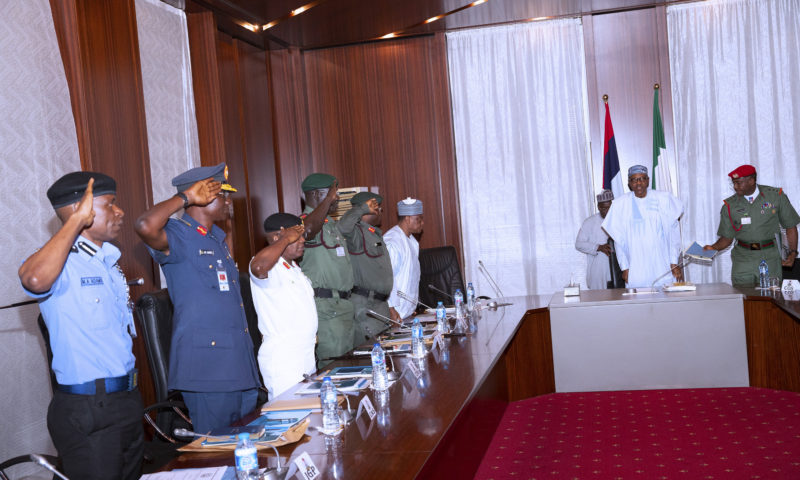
(753,217)
(327,264)
(372,268)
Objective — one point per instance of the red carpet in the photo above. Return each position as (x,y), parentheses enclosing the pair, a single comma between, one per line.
(715,433)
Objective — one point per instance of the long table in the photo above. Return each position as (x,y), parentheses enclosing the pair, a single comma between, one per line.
(442,426)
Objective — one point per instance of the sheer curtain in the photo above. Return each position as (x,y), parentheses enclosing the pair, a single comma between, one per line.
(168,95)
(736,99)
(521,137)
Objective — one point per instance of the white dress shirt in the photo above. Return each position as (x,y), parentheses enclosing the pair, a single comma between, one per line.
(404,254)
(591,236)
(287,319)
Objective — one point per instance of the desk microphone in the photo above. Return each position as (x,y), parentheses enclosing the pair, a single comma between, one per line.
(408,298)
(385,319)
(42,462)
(492,283)
(431,287)
(135,281)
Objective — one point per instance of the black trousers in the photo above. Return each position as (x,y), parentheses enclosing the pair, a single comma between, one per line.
(98,436)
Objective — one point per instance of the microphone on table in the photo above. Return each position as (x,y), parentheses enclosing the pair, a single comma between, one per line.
(413,300)
(431,287)
(136,281)
(42,462)
(384,318)
(492,283)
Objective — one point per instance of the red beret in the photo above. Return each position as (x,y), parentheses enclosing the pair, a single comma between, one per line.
(743,171)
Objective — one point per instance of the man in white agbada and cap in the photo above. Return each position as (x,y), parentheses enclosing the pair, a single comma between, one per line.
(593,241)
(404,254)
(644,226)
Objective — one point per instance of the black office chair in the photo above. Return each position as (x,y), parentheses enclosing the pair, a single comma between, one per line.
(4,475)
(439,267)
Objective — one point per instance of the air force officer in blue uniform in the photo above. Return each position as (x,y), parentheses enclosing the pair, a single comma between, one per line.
(211,355)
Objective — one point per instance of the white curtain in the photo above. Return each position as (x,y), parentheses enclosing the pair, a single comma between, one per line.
(521,137)
(168,95)
(38,144)
(735,72)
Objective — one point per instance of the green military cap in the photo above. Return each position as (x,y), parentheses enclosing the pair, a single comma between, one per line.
(315,181)
(363,197)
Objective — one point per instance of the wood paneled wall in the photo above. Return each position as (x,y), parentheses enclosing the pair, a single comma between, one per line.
(100,50)
(378,114)
(626,54)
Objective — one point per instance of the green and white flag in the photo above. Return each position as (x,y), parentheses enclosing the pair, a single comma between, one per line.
(660,172)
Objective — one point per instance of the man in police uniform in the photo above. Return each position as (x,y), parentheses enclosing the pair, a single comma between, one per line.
(327,264)
(95,416)
(752,216)
(211,353)
(372,267)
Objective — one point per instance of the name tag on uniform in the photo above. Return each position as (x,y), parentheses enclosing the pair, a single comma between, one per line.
(222,277)
(746,220)
(206,252)
(340,251)
(89,281)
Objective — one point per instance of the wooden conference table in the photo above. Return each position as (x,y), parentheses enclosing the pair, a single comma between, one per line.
(440,425)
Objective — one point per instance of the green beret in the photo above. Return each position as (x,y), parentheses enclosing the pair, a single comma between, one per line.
(316,181)
(363,197)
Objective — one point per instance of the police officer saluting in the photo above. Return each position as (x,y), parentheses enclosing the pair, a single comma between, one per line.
(372,267)
(95,417)
(211,354)
(327,264)
(752,216)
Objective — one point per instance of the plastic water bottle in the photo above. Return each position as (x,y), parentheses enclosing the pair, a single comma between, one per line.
(330,407)
(246,458)
(417,341)
(379,380)
(441,318)
(470,296)
(458,297)
(763,274)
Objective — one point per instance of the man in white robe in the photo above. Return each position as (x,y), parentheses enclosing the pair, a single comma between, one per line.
(404,254)
(644,226)
(284,300)
(593,241)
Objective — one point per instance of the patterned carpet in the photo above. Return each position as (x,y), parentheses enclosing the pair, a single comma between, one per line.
(716,433)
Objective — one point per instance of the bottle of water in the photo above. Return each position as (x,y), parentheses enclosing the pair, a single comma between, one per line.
(763,274)
(470,296)
(379,380)
(458,297)
(417,341)
(441,318)
(246,458)
(330,407)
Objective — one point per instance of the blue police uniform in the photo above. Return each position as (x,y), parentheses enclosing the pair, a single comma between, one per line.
(96,409)
(211,349)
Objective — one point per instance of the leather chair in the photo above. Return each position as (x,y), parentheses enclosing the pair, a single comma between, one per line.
(4,475)
(439,267)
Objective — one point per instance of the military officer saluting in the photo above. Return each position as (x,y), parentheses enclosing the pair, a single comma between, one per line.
(327,264)
(372,267)
(752,216)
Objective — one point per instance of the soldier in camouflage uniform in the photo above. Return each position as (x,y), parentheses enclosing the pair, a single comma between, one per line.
(753,216)
(372,267)
(327,264)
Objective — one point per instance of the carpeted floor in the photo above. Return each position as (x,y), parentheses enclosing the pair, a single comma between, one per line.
(715,433)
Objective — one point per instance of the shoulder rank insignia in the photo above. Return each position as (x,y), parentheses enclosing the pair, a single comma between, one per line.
(371,229)
(288,267)
(202,230)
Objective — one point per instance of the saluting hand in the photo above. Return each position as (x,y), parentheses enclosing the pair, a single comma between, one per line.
(373,205)
(203,192)
(85,209)
(292,233)
(333,193)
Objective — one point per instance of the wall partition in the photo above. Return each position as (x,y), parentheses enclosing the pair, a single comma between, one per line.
(521,138)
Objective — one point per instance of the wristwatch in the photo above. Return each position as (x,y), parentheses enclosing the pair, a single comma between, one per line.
(184,197)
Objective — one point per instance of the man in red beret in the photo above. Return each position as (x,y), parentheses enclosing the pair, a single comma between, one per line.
(753,216)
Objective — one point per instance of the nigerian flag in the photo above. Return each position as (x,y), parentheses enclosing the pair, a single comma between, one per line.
(661,178)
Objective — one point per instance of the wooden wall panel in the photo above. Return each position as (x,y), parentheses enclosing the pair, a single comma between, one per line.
(378,114)
(100,50)
(626,54)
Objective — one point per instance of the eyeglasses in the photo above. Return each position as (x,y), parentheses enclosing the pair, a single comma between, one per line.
(639,180)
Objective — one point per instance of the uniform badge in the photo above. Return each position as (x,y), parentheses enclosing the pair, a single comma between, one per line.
(288,267)
(202,230)
(371,229)
(206,252)
(90,281)
(326,220)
